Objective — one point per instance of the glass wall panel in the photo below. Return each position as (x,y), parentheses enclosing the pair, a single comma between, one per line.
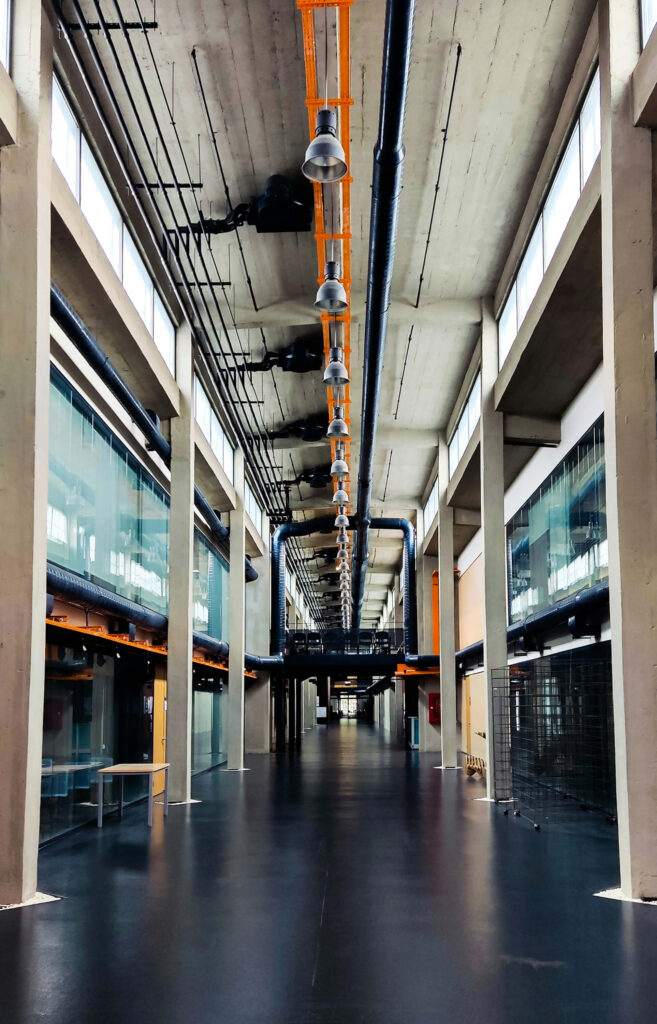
(208,421)
(97,711)
(557,541)
(108,519)
(563,197)
(207,734)
(65,139)
(98,206)
(210,590)
(466,425)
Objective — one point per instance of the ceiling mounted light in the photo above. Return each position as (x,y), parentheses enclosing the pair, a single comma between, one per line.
(325,160)
(339,467)
(335,374)
(342,519)
(342,538)
(338,426)
(341,497)
(331,296)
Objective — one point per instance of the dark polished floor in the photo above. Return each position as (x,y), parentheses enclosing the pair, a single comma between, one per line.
(352,883)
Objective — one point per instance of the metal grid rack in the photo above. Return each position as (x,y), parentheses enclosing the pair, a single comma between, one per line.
(553,740)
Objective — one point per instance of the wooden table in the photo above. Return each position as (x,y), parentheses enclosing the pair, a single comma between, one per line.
(134,769)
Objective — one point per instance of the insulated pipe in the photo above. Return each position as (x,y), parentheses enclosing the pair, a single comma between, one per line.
(68,585)
(409,581)
(322,524)
(75,329)
(541,622)
(386,190)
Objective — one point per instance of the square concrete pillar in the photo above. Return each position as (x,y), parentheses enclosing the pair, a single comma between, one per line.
(237,593)
(257,630)
(449,742)
(630,444)
(492,526)
(181,567)
(24,399)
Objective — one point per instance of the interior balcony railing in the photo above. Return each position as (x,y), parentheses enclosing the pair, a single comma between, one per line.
(340,641)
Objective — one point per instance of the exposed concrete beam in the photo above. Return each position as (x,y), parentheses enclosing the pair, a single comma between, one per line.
(542,431)
(467,517)
(299,312)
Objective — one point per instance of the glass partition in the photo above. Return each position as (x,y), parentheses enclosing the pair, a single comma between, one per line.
(648,19)
(207,732)
(210,590)
(557,541)
(97,711)
(108,519)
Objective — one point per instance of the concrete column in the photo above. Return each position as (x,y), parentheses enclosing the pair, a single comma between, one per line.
(630,444)
(181,568)
(24,394)
(237,596)
(492,525)
(446,615)
(257,628)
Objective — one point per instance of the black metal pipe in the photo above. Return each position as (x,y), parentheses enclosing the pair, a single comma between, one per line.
(542,622)
(322,524)
(78,332)
(386,190)
(409,579)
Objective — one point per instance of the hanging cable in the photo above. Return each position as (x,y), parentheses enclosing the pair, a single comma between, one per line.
(459,51)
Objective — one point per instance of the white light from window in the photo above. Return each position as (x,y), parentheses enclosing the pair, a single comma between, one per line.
(99,208)
(648,19)
(589,127)
(466,425)
(508,325)
(531,272)
(164,334)
(5,32)
(65,139)
(563,197)
(57,524)
(137,281)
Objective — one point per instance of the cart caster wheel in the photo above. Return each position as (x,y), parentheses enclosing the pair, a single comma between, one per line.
(537,827)
(516,814)
(506,811)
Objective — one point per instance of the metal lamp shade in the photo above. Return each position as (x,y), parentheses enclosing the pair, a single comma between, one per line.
(325,160)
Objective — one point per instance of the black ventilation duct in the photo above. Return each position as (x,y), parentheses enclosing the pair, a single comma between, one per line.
(310,428)
(276,210)
(304,355)
(386,191)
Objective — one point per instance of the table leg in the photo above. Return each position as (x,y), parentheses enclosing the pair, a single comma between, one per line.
(166,791)
(150,800)
(101,780)
(120,796)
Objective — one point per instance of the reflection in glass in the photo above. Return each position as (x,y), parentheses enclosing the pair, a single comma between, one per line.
(210,590)
(563,197)
(108,520)
(97,711)
(207,745)
(557,541)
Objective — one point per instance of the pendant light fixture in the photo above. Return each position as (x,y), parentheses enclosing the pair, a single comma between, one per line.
(331,296)
(339,467)
(341,497)
(335,374)
(325,160)
(337,427)
(342,519)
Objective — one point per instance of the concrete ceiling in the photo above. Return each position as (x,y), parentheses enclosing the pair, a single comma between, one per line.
(516,62)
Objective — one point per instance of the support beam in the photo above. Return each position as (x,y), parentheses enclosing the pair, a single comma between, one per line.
(539,431)
(237,596)
(446,614)
(24,395)
(181,567)
(630,444)
(492,521)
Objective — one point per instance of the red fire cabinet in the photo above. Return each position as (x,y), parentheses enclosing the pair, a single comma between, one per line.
(434,708)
